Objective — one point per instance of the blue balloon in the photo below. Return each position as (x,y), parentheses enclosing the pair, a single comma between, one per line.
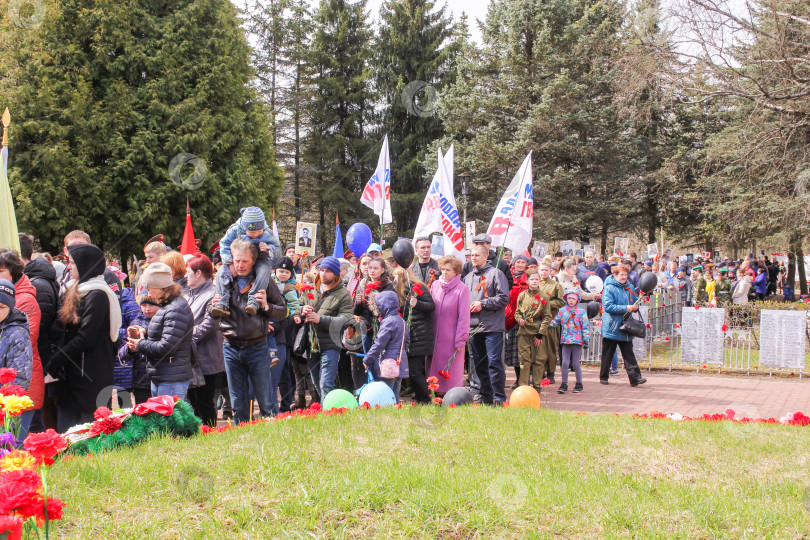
(377,393)
(358,237)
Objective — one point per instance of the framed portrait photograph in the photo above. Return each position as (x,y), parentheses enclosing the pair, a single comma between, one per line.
(305,236)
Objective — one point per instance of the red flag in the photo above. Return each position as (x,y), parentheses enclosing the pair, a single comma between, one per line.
(189,246)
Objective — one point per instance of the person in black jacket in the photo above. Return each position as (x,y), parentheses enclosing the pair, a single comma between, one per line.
(92,316)
(417,307)
(42,275)
(167,341)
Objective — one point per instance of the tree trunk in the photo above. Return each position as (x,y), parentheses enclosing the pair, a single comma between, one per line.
(798,258)
(603,239)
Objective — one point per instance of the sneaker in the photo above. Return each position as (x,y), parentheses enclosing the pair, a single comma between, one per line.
(614,371)
(514,386)
(220,310)
(563,388)
(603,381)
(638,382)
(578,388)
(252,308)
(274,360)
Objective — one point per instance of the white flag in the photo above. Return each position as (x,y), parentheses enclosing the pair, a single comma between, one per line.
(377,194)
(451,222)
(430,218)
(512,224)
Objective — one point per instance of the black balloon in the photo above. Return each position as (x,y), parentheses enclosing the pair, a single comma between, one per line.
(593,308)
(403,252)
(647,282)
(457,396)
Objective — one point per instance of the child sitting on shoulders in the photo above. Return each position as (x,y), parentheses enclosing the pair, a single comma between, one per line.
(575,334)
(253,228)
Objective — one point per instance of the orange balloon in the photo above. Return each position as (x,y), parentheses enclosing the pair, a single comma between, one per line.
(525,396)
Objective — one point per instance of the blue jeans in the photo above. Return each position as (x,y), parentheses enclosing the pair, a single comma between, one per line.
(253,364)
(395,384)
(179,389)
(25,423)
(487,354)
(276,372)
(324,366)
(262,269)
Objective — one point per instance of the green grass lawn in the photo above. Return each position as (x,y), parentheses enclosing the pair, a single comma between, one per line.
(449,473)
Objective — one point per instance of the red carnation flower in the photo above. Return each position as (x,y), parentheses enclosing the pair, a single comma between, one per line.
(45,446)
(545,382)
(102,412)
(12,390)
(17,489)
(417,289)
(649,326)
(12,526)
(437,401)
(537,297)
(310,296)
(724,327)
(7,375)
(542,302)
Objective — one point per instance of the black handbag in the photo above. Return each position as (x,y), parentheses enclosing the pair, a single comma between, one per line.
(632,326)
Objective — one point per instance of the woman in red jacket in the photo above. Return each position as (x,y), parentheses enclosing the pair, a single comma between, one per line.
(519,285)
(11,268)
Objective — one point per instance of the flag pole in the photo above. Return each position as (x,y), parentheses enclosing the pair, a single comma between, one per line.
(6,121)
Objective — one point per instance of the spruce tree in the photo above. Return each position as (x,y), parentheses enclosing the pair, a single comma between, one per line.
(414,55)
(118,89)
(338,154)
(544,81)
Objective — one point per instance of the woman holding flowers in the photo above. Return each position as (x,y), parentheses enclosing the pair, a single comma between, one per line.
(417,308)
(451,325)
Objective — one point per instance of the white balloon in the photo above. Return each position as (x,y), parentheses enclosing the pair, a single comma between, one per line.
(594,284)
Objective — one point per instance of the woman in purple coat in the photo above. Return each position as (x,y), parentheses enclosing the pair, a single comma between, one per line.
(451,324)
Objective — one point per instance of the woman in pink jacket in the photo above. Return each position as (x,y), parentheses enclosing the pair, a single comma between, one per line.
(451,324)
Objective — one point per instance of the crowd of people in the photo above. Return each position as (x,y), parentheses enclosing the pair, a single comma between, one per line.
(255,325)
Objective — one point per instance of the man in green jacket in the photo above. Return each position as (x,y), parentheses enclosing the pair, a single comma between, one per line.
(329,316)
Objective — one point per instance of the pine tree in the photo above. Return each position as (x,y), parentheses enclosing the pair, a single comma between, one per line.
(414,56)
(337,153)
(120,88)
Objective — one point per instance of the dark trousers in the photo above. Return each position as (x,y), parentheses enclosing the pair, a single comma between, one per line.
(416,369)
(202,399)
(69,418)
(630,364)
(286,385)
(487,353)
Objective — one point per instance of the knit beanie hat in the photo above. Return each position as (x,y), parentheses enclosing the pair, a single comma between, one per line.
(253,218)
(7,293)
(158,276)
(520,257)
(331,264)
(285,263)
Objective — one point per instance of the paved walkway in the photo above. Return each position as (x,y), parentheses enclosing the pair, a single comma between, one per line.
(690,395)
